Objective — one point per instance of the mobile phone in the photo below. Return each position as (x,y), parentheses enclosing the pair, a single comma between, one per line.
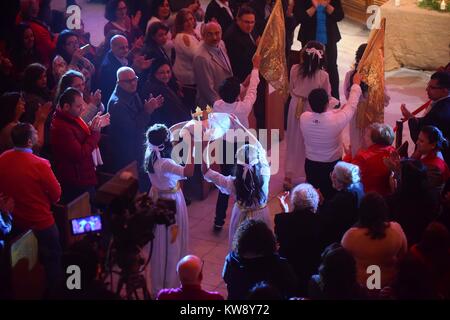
(86,225)
(85,48)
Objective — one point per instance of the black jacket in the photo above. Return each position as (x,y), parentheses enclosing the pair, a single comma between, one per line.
(220,14)
(308,24)
(240,50)
(241,274)
(439,116)
(299,235)
(108,76)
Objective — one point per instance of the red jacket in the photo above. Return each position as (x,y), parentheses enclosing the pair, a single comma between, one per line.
(30,181)
(72,150)
(374,173)
(188,292)
(431,160)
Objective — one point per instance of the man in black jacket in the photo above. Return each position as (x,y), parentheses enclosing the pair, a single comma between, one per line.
(220,11)
(305,11)
(438,91)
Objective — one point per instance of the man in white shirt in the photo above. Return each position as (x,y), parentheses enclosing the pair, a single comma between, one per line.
(322,132)
(230,103)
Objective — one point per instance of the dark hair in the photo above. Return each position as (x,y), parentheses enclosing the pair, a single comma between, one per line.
(245,9)
(157,135)
(381,134)
(337,273)
(264,291)
(155,8)
(318,100)
(61,43)
(358,56)
(435,135)
(68,96)
(180,19)
(111,8)
(443,79)
(373,215)
(21,133)
(32,74)
(151,32)
(311,63)
(435,239)
(19,48)
(249,192)
(66,82)
(156,64)
(8,104)
(254,237)
(229,89)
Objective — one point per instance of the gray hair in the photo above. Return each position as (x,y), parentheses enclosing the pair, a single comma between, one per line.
(305,196)
(346,174)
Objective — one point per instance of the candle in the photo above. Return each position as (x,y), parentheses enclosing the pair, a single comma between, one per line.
(443,7)
(397,3)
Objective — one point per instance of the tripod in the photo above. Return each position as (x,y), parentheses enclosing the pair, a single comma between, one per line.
(133,283)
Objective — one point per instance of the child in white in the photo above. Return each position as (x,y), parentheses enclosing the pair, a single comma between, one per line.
(304,78)
(250,187)
(171,242)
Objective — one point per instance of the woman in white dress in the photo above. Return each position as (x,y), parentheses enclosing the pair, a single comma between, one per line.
(249,186)
(304,77)
(186,42)
(170,244)
(356,133)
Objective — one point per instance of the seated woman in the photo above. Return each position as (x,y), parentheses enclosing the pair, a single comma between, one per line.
(375,240)
(336,279)
(75,80)
(69,56)
(254,259)
(429,144)
(249,185)
(299,233)
(160,82)
(374,173)
(340,212)
(186,41)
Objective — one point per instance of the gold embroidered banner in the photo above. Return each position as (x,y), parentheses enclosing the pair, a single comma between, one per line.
(371,67)
(272,48)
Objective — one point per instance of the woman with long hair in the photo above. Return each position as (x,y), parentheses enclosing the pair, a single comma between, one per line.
(170,244)
(375,240)
(160,82)
(35,92)
(69,56)
(116,12)
(186,42)
(308,75)
(249,185)
(24,51)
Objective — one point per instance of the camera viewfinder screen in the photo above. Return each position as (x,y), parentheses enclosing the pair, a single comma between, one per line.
(86,225)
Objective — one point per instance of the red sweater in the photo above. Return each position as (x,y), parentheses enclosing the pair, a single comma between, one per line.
(431,160)
(374,173)
(189,292)
(72,150)
(30,181)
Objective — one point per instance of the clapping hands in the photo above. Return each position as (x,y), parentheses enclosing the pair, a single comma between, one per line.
(152,103)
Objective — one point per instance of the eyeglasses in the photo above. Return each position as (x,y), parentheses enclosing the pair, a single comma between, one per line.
(130,80)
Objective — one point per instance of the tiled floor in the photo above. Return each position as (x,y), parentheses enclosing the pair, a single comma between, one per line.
(404,86)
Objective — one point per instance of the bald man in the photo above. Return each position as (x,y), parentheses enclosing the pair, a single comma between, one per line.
(211,65)
(190,273)
(116,57)
(130,118)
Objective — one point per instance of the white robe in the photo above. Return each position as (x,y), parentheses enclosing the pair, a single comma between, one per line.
(226,185)
(165,256)
(300,88)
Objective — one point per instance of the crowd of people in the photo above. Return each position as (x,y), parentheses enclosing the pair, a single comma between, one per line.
(346,208)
